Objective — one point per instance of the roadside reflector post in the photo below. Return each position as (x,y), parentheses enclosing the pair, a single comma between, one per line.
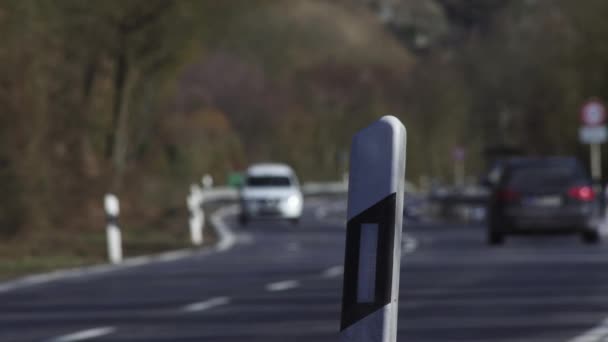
(373,235)
(207,181)
(113,235)
(197,217)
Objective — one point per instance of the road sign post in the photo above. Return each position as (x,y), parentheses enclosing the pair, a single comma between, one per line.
(113,235)
(593,132)
(596,161)
(373,235)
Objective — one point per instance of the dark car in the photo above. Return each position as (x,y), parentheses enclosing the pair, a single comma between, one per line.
(542,195)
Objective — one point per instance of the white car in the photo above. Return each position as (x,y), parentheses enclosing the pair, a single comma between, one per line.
(270,191)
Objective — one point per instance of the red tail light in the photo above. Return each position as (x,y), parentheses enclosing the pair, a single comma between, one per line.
(582,193)
(508,195)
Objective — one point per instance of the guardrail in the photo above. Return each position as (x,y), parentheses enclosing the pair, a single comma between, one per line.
(198,201)
(468,205)
(308,189)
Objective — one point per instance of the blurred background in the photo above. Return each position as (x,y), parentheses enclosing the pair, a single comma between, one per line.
(142,97)
(166,104)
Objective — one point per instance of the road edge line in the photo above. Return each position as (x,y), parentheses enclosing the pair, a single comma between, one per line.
(226,240)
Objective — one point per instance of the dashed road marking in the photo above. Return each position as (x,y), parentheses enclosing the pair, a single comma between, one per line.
(409,244)
(333,272)
(206,305)
(282,285)
(597,334)
(84,335)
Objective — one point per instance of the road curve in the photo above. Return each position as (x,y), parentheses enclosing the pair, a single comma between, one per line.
(283,283)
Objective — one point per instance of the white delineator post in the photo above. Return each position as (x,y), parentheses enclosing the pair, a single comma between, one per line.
(373,236)
(207,181)
(197,216)
(114,237)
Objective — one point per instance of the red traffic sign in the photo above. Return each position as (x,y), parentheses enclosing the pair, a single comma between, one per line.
(593,113)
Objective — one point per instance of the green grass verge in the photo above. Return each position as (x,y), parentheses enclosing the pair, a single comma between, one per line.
(46,251)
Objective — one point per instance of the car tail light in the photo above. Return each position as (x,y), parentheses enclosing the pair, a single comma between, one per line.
(582,193)
(508,195)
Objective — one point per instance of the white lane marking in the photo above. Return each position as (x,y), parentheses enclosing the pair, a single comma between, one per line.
(206,305)
(409,244)
(597,334)
(37,279)
(84,335)
(227,240)
(333,272)
(282,285)
(173,255)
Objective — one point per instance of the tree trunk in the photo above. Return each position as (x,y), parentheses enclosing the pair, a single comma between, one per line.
(124,82)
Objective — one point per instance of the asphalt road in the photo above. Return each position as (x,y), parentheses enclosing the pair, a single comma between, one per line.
(283,283)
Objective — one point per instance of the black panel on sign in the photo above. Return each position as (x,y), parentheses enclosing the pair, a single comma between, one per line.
(382,214)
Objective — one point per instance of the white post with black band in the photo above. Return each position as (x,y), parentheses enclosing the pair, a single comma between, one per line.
(373,237)
(197,216)
(114,237)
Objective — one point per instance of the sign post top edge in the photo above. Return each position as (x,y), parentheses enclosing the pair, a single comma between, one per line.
(375,164)
(395,123)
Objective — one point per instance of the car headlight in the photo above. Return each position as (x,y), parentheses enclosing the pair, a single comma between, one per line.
(293,200)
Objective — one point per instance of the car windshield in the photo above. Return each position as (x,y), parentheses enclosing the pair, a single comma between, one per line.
(264,181)
(539,177)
